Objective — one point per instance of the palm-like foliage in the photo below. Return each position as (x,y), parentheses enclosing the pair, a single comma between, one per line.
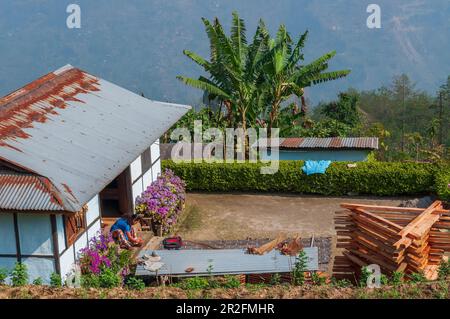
(284,77)
(253,79)
(233,76)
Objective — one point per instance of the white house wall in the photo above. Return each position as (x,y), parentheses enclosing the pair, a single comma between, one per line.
(7,242)
(35,233)
(39,268)
(136,168)
(70,254)
(7,235)
(93,212)
(94,230)
(66,261)
(156,169)
(141,178)
(35,244)
(61,233)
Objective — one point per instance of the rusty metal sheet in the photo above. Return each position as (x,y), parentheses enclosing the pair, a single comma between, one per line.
(28,192)
(331,142)
(79,130)
(207,262)
(292,142)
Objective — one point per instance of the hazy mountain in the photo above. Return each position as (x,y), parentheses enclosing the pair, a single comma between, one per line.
(138,43)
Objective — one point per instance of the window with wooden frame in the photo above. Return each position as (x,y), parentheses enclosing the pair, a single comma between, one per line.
(75,225)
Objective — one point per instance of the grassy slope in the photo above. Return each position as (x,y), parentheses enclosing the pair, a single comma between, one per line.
(431,290)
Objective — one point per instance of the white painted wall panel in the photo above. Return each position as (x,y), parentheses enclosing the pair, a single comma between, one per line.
(156,169)
(61,233)
(35,234)
(93,210)
(136,168)
(94,231)
(137,189)
(154,149)
(147,179)
(39,268)
(7,236)
(67,261)
(80,244)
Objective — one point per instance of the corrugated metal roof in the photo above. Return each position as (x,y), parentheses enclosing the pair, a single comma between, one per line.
(328,142)
(79,131)
(28,192)
(291,142)
(225,261)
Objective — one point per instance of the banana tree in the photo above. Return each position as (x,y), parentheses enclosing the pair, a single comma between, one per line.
(285,77)
(234,77)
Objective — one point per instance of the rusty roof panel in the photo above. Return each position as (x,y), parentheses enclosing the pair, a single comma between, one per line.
(27,192)
(291,142)
(336,142)
(79,130)
(329,142)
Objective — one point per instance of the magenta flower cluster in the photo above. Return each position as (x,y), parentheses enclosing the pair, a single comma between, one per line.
(163,200)
(94,257)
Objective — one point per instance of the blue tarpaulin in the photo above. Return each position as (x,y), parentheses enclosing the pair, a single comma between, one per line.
(315,167)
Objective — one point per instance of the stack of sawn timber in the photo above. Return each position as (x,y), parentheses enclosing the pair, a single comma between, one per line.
(404,239)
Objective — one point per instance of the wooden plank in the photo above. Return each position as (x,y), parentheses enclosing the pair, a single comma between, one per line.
(377,226)
(375,260)
(416,221)
(402,267)
(390,208)
(355,259)
(379,219)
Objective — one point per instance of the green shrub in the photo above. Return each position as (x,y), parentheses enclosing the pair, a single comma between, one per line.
(231,282)
(397,278)
(108,278)
(443,183)
(444,270)
(55,280)
(135,283)
(37,281)
(298,273)
(3,275)
(417,278)
(365,273)
(90,281)
(19,275)
(384,280)
(194,283)
(371,178)
(317,279)
(275,279)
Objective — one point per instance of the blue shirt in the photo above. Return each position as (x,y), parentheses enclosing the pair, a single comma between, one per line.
(123,225)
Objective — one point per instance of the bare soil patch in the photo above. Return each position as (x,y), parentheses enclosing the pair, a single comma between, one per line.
(241,216)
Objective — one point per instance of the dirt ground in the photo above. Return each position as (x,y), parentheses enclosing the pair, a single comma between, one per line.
(240,216)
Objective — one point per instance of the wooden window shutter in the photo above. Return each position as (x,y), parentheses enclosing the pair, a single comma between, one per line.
(75,225)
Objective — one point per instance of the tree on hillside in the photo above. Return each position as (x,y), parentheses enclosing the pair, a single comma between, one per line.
(442,108)
(344,110)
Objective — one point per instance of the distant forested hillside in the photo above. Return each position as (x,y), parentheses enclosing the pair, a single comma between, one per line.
(138,43)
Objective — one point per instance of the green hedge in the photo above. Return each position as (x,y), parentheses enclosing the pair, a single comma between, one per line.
(443,182)
(369,178)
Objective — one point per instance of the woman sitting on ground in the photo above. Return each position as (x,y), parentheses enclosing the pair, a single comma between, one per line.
(123,232)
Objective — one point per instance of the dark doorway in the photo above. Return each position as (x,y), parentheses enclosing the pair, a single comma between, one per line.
(116,198)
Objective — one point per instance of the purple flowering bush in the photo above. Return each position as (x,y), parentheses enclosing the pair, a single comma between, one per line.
(103,264)
(163,200)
